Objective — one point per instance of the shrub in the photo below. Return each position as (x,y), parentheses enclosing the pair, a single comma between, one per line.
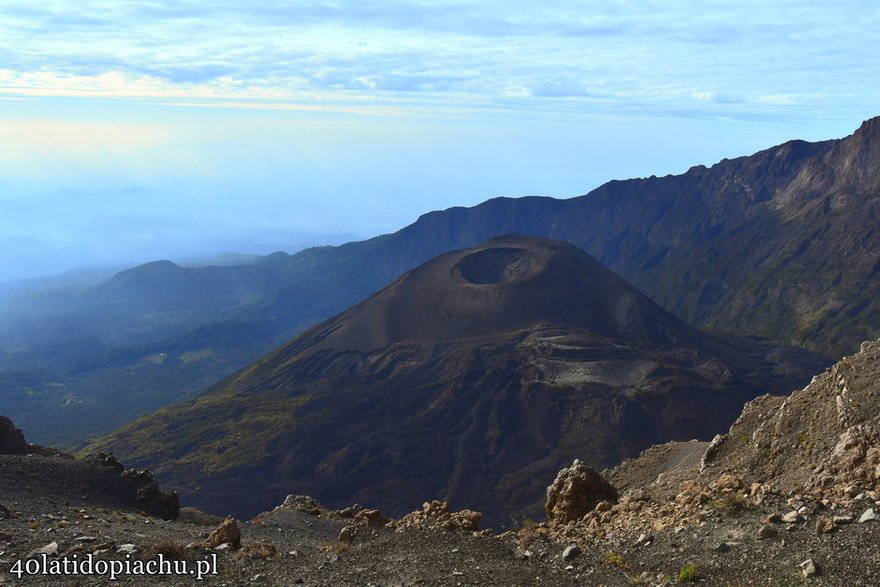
(688,573)
(612,558)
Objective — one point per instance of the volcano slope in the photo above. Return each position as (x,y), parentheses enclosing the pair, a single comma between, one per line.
(473,378)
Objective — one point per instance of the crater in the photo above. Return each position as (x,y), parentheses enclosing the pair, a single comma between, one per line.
(497,265)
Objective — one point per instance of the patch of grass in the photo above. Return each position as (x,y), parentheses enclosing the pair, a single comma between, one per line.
(170,549)
(337,547)
(729,502)
(612,558)
(688,573)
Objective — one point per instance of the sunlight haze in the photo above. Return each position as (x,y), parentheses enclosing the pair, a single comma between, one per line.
(133,131)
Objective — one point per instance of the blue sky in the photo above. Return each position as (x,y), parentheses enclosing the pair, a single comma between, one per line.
(132,131)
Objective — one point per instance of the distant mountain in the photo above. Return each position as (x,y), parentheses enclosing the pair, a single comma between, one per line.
(782,244)
(471,379)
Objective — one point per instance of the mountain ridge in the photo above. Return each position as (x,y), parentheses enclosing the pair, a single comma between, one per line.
(782,244)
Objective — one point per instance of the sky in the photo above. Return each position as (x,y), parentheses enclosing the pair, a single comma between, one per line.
(134,131)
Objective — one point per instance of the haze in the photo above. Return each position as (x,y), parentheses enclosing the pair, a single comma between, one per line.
(133,131)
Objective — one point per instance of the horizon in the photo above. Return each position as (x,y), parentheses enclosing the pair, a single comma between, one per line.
(139,132)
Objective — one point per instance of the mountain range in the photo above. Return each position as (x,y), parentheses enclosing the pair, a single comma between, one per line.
(781,244)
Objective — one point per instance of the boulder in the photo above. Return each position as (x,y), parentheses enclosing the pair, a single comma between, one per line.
(436,514)
(11,438)
(226,532)
(575,492)
(150,499)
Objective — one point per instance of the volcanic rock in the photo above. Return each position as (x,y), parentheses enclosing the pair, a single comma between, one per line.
(575,492)
(226,533)
(11,438)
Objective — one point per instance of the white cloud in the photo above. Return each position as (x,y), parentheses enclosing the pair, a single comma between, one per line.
(636,53)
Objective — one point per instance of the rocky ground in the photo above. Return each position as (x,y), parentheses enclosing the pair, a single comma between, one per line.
(790,496)
(718,542)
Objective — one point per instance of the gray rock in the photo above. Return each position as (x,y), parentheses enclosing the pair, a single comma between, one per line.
(853,490)
(766,531)
(722,547)
(791,518)
(127,549)
(571,552)
(808,568)
(50,549)
(869,516)
(843,520)
(639,495)
(345,535)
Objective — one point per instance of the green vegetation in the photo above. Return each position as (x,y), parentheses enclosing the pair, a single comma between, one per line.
(612,558)
(729,502)
(688,573)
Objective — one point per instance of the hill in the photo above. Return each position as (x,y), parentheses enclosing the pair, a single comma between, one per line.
(470,379)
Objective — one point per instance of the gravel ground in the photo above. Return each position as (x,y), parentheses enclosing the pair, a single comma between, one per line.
(72,505)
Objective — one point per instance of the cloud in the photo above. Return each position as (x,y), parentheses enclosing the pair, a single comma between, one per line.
(454,51)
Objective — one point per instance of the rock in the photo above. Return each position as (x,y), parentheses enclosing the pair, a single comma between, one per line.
(345,535)
(227,531)
(791,518)
(824,525)
(722,547)
(774,518)
(711,451)
(467,519)
(104,459)
(85,539)
(638,495)
(457,574)
(853,461)
(766,531)
(257,551)
(853,490)
(11,438)
(303,503)
(576,491)
(842,520)
(869,516)
(127,549)
(571,552)
(370,518)
(728,483)
(259,578)
(436,515)
(808,568)
(604,506)
(644,539)
(5,511)
(50,549)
